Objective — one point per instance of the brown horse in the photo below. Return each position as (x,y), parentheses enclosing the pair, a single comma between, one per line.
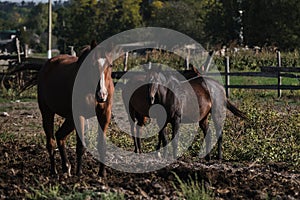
(56,80)
(211,99)
(138,108)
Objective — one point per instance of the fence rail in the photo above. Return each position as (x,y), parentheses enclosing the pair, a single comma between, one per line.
(266,71)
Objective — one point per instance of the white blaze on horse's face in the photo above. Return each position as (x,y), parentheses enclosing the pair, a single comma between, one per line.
(102,93)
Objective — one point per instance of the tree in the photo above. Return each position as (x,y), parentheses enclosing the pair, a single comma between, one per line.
(272,23)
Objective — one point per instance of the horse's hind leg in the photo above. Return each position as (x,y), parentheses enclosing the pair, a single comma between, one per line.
(61,136)
(48,120)
(175,129)
(218,117)
(80,145)
(80,149)
(207,135)
(218,122)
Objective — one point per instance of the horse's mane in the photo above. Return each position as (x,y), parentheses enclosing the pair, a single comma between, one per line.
(83,53)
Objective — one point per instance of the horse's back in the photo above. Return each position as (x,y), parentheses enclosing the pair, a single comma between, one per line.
(55,84)
(197,99)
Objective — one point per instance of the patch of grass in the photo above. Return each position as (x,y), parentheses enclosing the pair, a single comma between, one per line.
(112,196)
(51,192)
(271,134)
(192,189)
(58,192)
(7,137)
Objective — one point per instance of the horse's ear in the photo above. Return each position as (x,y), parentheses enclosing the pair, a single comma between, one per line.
(93,44)
(196,70)
(109,58)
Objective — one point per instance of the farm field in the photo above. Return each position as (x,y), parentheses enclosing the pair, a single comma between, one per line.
(261,158)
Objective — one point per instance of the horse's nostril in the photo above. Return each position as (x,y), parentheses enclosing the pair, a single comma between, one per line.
(152,100)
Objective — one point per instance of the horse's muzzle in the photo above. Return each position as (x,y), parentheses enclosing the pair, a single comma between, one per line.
(152,100)
(101,98)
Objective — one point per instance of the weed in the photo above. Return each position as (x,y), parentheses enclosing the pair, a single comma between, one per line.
(192,189)
(7,137)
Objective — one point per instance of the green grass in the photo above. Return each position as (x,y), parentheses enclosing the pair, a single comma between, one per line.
(192,189)
(58,192)
(7,137)
(239,80)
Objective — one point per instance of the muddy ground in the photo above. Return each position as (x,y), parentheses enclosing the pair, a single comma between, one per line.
(24,169)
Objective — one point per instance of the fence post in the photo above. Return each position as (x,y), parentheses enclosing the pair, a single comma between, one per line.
(18,49)
(278,74)
(125,61)
(187,59)
(227,77)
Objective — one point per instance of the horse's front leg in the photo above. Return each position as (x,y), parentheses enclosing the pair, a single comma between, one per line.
(139,129)
(48,120)
(104,117)
(162,139)
(80,145)
(61,136)
(133,132)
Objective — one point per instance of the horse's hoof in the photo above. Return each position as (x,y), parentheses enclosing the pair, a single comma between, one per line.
(207,158)
(53,172)
(67,170)
(79,173)
(54,175)
(102,173)
(66,175)
(158,155)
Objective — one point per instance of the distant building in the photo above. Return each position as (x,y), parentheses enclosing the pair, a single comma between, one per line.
(8,41)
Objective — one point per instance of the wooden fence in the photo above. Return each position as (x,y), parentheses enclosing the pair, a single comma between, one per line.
(276,72)
(268,72)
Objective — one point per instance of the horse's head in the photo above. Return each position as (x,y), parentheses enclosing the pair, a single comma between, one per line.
(156,81)
(104,66)
(99,63)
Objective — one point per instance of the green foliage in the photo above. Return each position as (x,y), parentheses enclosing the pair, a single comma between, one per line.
(7,137)
(112,196)
(250,61)
(212,23)
(58,192)
(271,134)
(275,22)
(192,189)
(52,192)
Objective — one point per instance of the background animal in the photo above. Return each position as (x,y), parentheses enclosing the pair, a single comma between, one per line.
(180,107)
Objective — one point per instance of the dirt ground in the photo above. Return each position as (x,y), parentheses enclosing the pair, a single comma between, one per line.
(24,168)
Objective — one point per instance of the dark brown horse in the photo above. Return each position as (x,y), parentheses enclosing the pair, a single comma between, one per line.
(55,89)
(211,99)
(138,108)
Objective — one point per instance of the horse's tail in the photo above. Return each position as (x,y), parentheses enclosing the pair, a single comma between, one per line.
(235,110)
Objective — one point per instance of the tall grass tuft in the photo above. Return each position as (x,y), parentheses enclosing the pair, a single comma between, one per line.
(192,189)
